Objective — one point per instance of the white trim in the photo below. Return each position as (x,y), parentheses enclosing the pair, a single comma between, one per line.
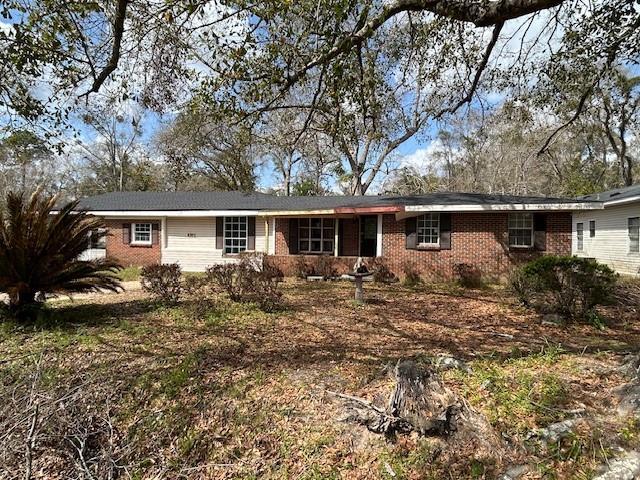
(133,234)
(163,233)
(579,248)
(501,207)
(224,235)
(176,213)
(379,237)
(419,244)
(629,251)
(532,240)
(408,210)
(622,200)
(336,224)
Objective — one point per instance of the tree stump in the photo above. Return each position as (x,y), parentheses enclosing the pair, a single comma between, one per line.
(420,402)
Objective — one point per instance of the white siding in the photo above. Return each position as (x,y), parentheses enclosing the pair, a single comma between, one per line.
(191,242)
(272,236)
(93,254)
(261,243)
(611,242)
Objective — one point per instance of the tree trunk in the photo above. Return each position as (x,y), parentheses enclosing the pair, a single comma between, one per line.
(21,297)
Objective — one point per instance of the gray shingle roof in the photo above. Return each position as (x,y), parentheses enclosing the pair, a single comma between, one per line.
(615,194)
(141,201)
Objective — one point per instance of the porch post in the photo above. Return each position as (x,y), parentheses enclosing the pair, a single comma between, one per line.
(379,237)
(163,226)
(336,223)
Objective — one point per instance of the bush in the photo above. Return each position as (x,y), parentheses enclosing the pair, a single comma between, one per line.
(245,282)
(302,268)
(325,267)
(382,273)
(574,286)
(40,251)
(411,275)
(164,282)
(521,286)
(320,265)
(468,275)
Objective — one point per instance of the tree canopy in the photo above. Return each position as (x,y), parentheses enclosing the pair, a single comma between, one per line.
(365,77)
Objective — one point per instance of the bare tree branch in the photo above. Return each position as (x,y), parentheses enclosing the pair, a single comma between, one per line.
(118,31)
(476,80)
(581,103)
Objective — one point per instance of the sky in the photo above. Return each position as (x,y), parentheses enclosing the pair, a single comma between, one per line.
(416,152)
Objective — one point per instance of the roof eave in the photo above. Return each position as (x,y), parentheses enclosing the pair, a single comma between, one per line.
(620,201)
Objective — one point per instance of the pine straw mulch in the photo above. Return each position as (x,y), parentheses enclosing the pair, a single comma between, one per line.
(128,388)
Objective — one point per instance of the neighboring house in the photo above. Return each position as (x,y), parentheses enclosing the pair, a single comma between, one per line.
(611,235)
(432,232)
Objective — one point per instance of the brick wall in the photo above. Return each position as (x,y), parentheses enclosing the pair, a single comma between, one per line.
(479,239)
(130,255)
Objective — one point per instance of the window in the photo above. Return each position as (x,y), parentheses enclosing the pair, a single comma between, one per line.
(580,236)
(634,235)
(235,234)
(428,229)
(520,230)
(316,235)
(97,242)
(592,228)
(141,234)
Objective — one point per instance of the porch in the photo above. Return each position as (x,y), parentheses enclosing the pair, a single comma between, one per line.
(348,236)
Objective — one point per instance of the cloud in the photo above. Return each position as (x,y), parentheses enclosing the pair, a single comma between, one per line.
(422,159)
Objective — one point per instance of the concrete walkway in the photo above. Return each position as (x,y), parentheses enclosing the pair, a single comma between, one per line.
(130,286)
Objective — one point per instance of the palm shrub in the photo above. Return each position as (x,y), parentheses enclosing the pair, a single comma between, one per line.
(40,249)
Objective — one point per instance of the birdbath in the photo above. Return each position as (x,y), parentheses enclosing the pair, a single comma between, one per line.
(360,271)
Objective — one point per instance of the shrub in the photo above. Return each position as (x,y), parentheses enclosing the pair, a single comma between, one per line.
(382,273)
(325,267)
(164,282)
(40,250)
(321,265)
(303,268)
(411,275)
(521,286)
(245,283)
(468,275)
(573,286)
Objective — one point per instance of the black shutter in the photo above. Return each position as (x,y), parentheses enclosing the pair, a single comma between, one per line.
(219,233)
(540,231)
(445,231)
(251,233)
(411,236)
(126,233)
(293,235)
(155,228)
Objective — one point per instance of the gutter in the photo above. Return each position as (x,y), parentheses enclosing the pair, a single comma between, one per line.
(622,201)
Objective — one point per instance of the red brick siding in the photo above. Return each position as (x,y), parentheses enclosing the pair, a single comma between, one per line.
(479,239)
(131,255)
(282,236)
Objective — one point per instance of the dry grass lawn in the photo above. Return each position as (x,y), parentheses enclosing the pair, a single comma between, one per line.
(220,390)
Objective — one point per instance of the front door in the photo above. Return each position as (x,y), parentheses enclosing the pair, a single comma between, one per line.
(368,235)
